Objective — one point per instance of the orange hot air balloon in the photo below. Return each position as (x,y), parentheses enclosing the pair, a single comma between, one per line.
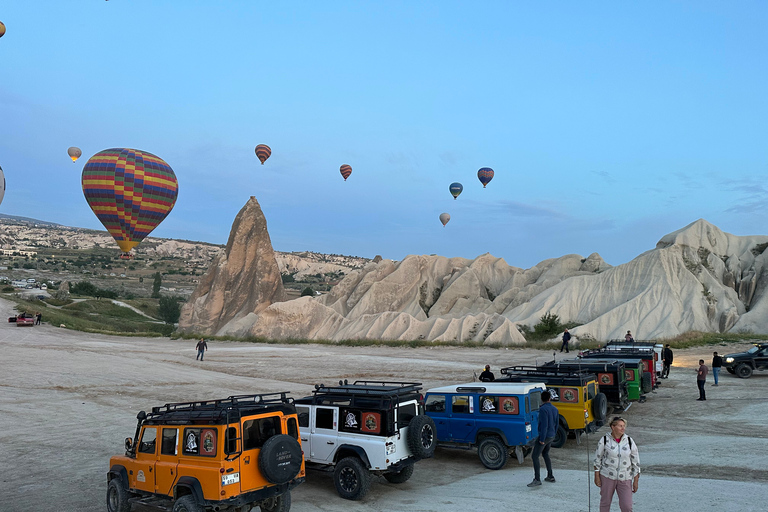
(263,152)
(130,191)
(345,170)
(2,29)
(74,153)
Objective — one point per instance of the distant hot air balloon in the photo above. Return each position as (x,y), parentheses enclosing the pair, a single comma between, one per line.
(130,191)
(456,189)
(345,170)
(74,153)
(485,175)
(263,151)
(2,185)
(444,218)
(2,29)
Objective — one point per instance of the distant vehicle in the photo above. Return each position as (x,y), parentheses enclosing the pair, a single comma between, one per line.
(29,287)
(743,364)
(31,280)
(43,286)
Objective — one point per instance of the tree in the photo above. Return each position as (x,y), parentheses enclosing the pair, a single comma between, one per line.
(307,291)
(156,285)
(169,310)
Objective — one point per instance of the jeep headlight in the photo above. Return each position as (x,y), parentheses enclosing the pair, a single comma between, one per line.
(728,359)
(391,448)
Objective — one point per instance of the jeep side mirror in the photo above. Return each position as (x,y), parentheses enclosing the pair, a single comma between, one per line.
(128,444)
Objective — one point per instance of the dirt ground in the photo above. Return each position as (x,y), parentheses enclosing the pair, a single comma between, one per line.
(68,400)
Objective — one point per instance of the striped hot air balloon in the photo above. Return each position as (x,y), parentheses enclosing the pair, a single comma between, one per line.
(485,175)
(130,191)
(345,170)
(263,152)
(456,189)
(74,153)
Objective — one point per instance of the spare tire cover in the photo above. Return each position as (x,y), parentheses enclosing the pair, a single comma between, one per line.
(280,459)
(600,407)
(646,382)
(422,436)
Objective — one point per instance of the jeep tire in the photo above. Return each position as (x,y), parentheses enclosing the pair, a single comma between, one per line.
(492,452)
(646,382)
(561,436)
(186,503)
(117,496)
(422,438)
(351,479)
(600,407)
(280,503)
(744,371)
(280,459)
(398,477)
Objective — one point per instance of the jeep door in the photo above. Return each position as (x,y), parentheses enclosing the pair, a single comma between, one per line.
(461,420)
(167,461)
(255,432)
(761,358)
(324,426)
(143,477)
(435,408)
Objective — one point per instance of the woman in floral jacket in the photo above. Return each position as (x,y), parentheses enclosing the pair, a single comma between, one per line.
(617,467)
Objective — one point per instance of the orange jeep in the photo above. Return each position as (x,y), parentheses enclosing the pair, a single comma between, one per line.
(218,455)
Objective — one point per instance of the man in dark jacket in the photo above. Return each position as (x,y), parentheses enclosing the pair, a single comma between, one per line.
(717,363)
(666,356)
(487,375)
(548,423)
(566,339)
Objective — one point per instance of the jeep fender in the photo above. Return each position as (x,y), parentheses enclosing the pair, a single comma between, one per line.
(118,471)
(345,450)
(489,432)
(189,485)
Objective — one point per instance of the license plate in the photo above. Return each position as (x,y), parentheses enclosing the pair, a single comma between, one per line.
(230,479)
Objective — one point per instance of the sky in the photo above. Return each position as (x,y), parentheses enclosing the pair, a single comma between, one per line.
(608,124)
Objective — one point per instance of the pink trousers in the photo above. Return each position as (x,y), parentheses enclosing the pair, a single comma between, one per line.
(621,487)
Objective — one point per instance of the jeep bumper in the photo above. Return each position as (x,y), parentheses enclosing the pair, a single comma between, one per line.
(254,496)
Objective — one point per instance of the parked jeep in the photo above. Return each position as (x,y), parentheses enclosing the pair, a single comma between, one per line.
(657,348)
(365,428)
(575,394)
(743,364)
(639,381)
(494,418)
(611,378)
(224,455)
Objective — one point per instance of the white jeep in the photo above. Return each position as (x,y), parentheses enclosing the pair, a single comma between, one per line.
(362,429)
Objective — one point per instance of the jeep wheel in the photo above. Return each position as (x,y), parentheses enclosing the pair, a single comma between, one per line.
(186,504)
(280,459)
(117,497)
(351,478)
(561,435)
(600,407)
(744,371)
(281,503)
(646,382)
(492,452)
(421,436)
(400,476)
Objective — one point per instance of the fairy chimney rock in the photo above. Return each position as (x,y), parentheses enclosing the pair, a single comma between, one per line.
(243,279)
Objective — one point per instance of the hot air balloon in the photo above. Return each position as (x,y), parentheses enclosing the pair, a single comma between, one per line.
(345,170)
(485,175)
(444,218)
(263,151)
(2,185)
(456,189)
(2,29)
(74,153)
(130,191)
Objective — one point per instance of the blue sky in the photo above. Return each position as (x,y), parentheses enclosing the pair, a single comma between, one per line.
(608,124)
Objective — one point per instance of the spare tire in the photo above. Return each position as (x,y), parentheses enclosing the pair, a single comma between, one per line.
(422,436)
(280,459)
(600,407)
(646,382)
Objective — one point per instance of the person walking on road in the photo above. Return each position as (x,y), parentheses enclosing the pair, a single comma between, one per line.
(201,347)
(548,423)
(666,356)
(617,467)
(566,339)
(717,363)
(701,378)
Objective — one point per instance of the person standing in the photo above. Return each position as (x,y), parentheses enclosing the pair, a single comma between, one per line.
(201,347)
(38,318)
(487,375)
(717,363)
(617,467)
(701,378)
(666,357)
(566,339)
(548,423)
(628,337)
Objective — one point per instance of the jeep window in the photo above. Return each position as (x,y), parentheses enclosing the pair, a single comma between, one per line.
(489,404)
(753,350)
(148,438)
(324,418)
(460,403)
(535,400)
(169,446)
(435,403)
(256,432)
(303,413)
(405,414)
(293,428)
(591,391)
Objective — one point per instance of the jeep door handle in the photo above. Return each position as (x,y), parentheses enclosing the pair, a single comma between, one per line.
(303,440)
(329,442)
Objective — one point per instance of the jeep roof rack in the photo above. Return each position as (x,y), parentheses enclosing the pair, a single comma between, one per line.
(215,410)
(375,388)
(548,374)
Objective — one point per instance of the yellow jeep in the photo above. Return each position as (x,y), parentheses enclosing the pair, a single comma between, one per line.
(225,455)
(575,394)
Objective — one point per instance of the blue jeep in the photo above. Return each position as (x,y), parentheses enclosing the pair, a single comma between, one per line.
(497,418)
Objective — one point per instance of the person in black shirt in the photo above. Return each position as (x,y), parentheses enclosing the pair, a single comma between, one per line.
(666,356)
(566,339)
(487,375)
(717,363)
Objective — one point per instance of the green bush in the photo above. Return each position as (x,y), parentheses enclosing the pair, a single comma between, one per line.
(308,291)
